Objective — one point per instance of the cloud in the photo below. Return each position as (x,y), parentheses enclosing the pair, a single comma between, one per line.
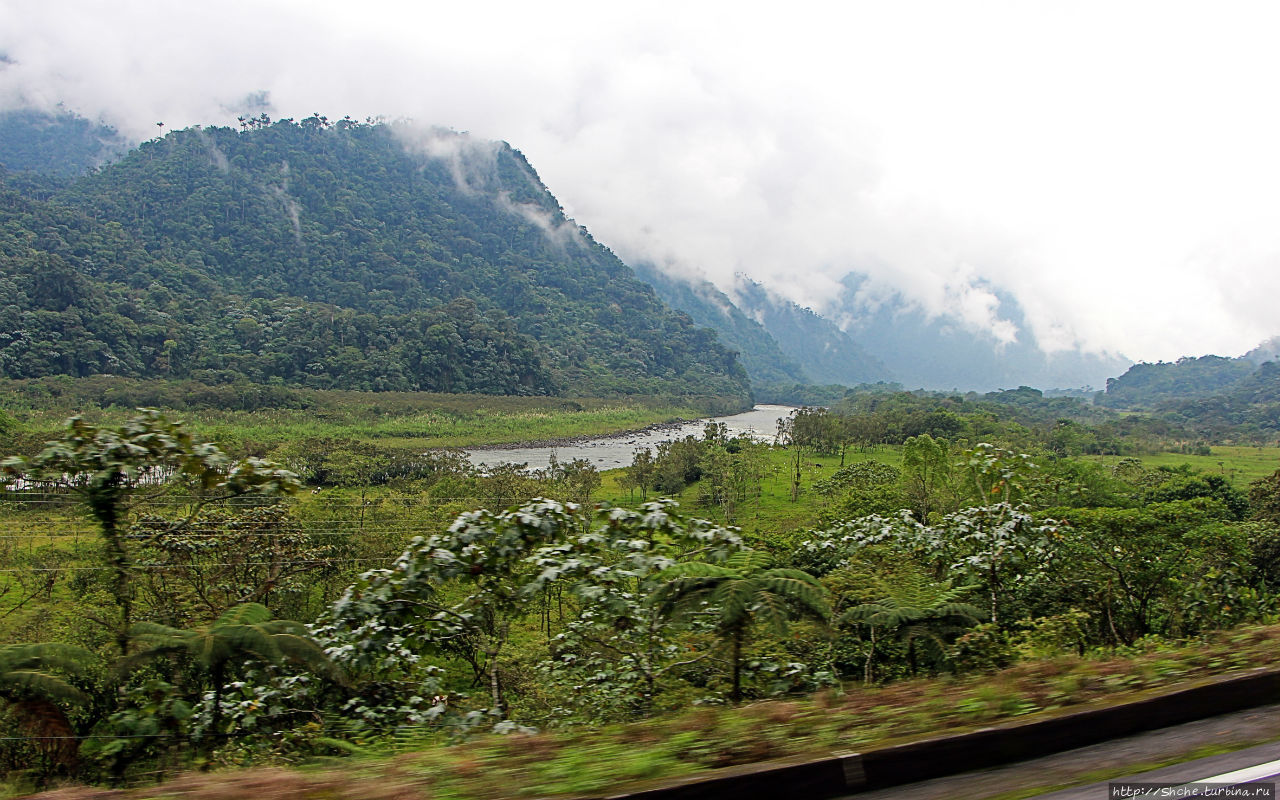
(1111,167)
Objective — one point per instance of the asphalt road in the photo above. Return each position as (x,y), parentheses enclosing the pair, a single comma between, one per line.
(1089,769)
(1261,763)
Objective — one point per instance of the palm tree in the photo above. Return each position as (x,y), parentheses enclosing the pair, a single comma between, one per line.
(914,607)
(33,692)
(740,593)
(243,634)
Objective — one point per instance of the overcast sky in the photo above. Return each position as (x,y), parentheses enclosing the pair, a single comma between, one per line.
(1115,166)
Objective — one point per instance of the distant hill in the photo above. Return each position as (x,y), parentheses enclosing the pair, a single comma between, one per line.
(825,352)
(1216,396)
(941,352)
(1151,385)
(61,145)
(707,305)
(340,255)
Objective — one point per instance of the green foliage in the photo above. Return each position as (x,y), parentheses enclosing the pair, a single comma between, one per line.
(927,472)
(60,146)
(986,648)
(244,631)
(862,475)
(34,692)
(999,547)
(114,469)
(916,610)
(223,558)
(243,635)
(1147,385)
(742,592)
(1188,486)
(334,256)
(618,654)
(1264,498)
(1142,566)
(1218,398)
(553,614)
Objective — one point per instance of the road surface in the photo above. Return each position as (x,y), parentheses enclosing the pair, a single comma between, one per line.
(1090,768)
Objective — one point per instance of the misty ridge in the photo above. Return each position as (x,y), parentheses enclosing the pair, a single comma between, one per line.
(334,256)
(395,218)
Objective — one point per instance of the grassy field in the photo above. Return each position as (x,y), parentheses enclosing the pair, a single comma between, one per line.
(1240,464)
(773,513)
(389,419)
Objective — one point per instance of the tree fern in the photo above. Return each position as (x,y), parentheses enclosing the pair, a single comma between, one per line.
(241,634)
(33,691)
(739,593)
(914,608)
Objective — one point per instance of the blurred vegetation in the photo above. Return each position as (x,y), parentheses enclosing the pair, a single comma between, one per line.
(888,578)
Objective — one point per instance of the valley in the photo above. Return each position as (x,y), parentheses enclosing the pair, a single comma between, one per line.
(337,443)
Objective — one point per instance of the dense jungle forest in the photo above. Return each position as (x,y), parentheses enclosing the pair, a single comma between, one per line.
(332,255)
(167,605)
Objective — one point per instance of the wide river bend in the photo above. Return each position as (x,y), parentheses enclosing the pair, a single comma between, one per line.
(611,452)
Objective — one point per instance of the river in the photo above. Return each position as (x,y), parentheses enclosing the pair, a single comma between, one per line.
(611,452)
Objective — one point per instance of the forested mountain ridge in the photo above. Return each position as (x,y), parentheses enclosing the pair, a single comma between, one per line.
(350,255)
(1218,397)
(706,305)
(62,145)
(1149,385)
(826,353)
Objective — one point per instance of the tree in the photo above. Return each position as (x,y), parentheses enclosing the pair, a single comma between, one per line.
(1144,564)
(1264,498)
(117,469)
(618,646)
(997,475)
(242,635)
(998,547)
(456,593)
(224,558)
(926,470)
(913,607)
(740,593)
(577,478)
(32,690)
(640,474)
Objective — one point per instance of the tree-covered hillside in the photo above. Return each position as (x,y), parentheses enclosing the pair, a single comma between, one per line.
(1221,399)
(707,305)
(62,145)
(825,352)
(346,255)
(1149,385)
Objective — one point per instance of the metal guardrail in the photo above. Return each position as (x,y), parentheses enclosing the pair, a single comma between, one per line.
(846,774)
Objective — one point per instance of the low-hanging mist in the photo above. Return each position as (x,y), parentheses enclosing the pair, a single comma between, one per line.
(951,156)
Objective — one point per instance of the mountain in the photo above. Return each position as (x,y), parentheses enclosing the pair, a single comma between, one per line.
(1146,386)
(1217,397)
(941,352)
(708,306)
(826,353)
(345,255)
(1267,351)
(62,145)
(881,327)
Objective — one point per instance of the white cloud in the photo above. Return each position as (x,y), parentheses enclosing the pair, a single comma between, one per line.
(1111,165)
